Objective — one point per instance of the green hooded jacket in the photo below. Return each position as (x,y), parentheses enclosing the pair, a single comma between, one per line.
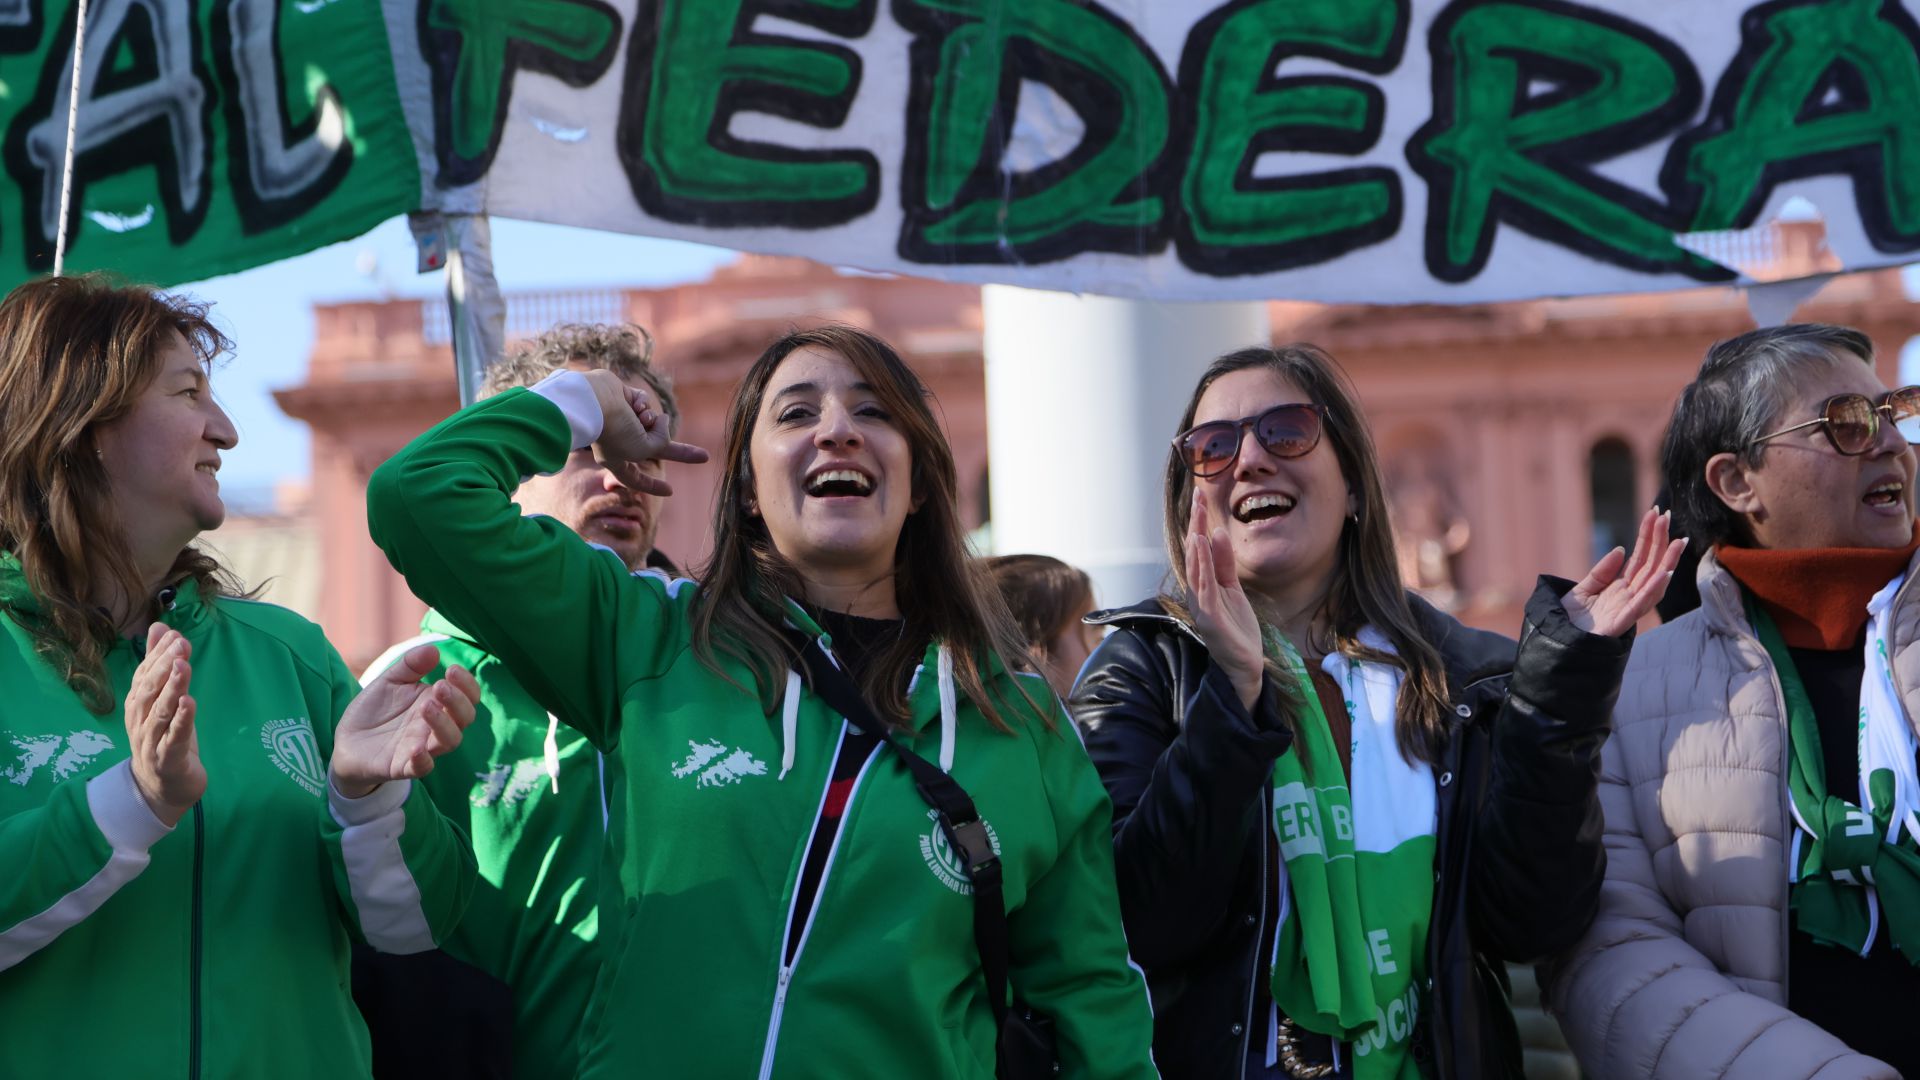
(219,947)
(713,803)
(538,823)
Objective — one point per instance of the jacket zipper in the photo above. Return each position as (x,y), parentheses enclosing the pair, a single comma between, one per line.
(193,1037)
(819,891)
(1260,925)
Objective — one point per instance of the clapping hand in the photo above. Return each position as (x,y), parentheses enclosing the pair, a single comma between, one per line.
(159,718)
(397,725)
(1620,590)
(633,432)
(1221,612)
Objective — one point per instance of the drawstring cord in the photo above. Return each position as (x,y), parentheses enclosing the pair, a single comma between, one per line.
(790,717)
(789,722)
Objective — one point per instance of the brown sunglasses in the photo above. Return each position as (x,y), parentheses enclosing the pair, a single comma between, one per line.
(1851,422)
(1285,431)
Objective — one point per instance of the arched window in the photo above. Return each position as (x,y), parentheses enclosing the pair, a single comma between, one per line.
(1610,491)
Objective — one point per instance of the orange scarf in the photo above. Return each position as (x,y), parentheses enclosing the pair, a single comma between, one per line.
(1817,596)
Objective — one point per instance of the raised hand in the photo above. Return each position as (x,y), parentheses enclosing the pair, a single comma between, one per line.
(1221,612)
(397,725)
(1620,590)
(159,718)
(633,432)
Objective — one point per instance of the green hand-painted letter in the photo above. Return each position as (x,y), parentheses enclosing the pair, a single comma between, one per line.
(570,39)
(962,205)
(1235,223)
(1767,124)
(693,65)
(1491,153)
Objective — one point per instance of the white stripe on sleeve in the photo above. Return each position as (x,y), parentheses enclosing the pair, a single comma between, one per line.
(392,656)
(130,827)
(387,898)
(574,395)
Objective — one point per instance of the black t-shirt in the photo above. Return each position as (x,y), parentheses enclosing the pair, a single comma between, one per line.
(1867,1001)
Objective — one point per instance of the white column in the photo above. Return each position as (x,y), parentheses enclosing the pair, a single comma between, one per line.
(1083,393)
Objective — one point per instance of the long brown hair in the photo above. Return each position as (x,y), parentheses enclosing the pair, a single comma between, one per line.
(943,594)
(1042,593)
(76,353)
(1366,589)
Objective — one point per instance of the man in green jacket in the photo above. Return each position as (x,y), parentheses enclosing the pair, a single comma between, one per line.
(530,790)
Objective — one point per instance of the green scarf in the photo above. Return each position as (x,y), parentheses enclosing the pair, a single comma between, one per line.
(1350,957)
(1844,872)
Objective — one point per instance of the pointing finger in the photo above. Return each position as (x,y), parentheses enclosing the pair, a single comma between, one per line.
(679,451)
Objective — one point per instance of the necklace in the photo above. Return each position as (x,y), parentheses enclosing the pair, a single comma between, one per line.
(1290,1059)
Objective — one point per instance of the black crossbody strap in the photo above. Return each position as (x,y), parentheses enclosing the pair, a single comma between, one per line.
(965,831)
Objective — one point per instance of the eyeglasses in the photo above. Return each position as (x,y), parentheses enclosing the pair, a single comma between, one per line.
(1285,431)
(1851,422)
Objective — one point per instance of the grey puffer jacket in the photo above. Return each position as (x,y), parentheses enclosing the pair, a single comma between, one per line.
(1683,975)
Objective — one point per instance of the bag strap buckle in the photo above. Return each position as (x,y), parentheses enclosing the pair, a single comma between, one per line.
(975,848)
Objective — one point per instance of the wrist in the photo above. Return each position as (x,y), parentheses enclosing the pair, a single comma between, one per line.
(164,812)
(1248,691)
(352,788)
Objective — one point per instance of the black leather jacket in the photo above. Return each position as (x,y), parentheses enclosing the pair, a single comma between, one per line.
(1518,860)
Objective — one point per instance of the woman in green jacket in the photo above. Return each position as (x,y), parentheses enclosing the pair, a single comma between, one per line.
(180,888)
(779,901)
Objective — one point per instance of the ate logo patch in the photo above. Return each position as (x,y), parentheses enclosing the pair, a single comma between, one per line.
(291,745)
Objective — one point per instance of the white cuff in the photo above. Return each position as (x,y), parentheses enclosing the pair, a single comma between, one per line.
(123,816)
(372,806)
(573,394)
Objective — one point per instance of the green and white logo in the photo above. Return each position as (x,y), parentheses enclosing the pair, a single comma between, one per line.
(60,755)
(717,766)
(291,745)
(944,861)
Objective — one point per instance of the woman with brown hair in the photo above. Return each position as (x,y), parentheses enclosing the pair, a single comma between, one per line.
(785,902)
(219,947)
(1339,809)
(1050,600)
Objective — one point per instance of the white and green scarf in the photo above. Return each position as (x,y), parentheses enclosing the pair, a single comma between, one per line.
(1853,861)
(1350,957)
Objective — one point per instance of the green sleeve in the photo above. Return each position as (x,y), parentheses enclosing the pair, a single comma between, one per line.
(66,858)
(1069,956)
(569,620)
(403,872)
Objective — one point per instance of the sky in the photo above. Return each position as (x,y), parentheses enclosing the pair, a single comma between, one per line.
(268,312)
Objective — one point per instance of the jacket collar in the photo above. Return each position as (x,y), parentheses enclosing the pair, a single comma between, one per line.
(180,602)
(1148,612)
(1469,656)
(923,692)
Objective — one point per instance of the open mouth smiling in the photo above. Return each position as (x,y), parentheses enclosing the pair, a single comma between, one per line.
(1263,505)
(838,481)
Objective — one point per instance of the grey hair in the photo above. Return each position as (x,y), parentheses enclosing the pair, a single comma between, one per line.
(624,349)
(1743,387)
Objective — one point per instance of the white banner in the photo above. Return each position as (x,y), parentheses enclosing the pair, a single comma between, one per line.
(1341,150)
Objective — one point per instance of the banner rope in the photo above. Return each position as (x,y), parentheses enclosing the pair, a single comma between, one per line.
(73,122)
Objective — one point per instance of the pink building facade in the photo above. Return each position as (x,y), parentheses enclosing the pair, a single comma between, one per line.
(1517,438)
